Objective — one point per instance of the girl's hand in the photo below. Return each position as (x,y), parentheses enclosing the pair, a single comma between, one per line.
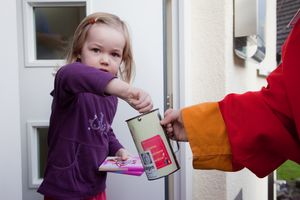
(140,100)
(122,154)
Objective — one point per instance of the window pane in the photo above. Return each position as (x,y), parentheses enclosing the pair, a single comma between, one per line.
(54,28)
(42,150)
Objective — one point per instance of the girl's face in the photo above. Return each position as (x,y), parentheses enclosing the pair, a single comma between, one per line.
(103,48)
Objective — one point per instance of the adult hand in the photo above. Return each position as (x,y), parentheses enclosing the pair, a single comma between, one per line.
(174,125)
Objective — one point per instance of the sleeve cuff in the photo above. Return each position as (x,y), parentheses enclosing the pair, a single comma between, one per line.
(207,136)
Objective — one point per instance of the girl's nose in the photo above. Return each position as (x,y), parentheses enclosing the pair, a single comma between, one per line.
(104,60)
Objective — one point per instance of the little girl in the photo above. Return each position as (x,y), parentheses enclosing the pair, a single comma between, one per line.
(84,104)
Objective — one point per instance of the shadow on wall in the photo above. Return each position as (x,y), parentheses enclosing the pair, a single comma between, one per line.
(239,196)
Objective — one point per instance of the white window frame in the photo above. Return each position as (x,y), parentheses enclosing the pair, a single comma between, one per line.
(29,33)
(32,151)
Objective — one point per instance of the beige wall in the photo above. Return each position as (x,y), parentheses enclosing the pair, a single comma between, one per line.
(215,71)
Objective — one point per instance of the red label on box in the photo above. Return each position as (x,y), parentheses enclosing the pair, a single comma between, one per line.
(158,151)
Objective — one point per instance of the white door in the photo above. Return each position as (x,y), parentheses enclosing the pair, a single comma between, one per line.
(145,20)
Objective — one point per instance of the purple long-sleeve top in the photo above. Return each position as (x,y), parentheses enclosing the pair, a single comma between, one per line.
(80,136)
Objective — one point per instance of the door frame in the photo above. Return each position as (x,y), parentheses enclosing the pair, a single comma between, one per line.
(177,35)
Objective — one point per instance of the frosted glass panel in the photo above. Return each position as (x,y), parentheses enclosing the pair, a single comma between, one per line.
(42,150)
(54,29)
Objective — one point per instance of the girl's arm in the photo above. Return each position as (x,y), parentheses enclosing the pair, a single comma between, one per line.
(135,97)
(76,78)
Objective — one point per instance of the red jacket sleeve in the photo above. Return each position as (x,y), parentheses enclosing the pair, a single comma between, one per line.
(263,127)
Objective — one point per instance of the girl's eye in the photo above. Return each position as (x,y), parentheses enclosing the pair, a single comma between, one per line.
(95,50)
(115,55)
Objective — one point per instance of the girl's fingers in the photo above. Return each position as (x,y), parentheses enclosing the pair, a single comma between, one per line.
(142,105)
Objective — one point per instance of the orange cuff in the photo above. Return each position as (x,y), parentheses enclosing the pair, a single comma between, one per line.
(207,136)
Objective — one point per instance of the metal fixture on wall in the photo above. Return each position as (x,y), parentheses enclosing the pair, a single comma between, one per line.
(249,29)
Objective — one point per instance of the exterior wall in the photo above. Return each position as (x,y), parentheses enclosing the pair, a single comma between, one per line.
(10,148)
(241,76)
(214,72)
(207,79)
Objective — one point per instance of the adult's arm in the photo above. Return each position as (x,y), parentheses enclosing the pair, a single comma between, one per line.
(257,130)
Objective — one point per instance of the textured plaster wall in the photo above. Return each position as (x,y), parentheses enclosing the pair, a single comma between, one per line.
(241,76)
(215,71)
(207,78)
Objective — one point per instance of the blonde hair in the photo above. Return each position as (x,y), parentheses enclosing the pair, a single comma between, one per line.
(126,70)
